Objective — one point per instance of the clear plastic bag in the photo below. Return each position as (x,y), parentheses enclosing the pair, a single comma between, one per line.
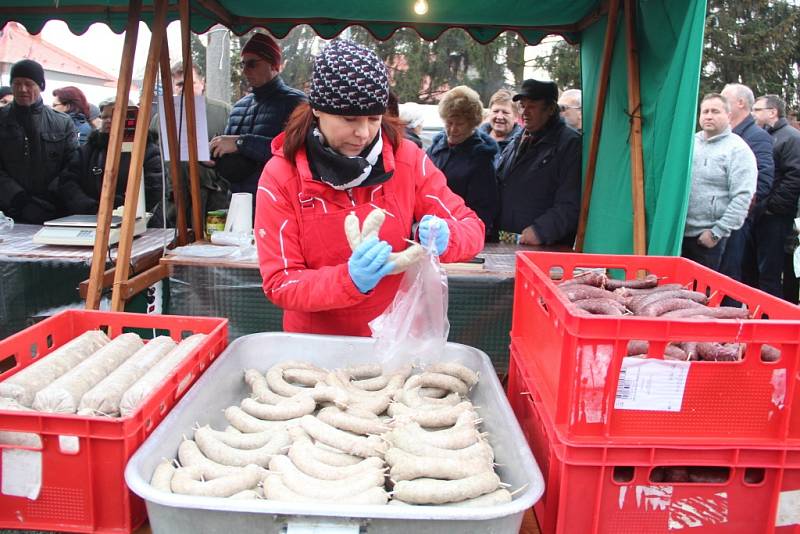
(6,224)
(415,324)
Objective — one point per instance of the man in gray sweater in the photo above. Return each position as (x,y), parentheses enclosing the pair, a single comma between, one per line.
(724,175)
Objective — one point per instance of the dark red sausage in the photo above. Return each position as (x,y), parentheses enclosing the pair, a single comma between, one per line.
(636,304)
(591,278)
(648,282)
(583,291)
(600,306)
(660,307)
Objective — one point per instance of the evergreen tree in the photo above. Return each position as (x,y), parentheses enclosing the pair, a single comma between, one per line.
(564,65)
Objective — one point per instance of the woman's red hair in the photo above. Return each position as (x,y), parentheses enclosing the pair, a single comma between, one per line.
(73,98)
(302,120)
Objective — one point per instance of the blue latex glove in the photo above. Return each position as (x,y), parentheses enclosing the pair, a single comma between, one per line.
(432,227)
(368,263)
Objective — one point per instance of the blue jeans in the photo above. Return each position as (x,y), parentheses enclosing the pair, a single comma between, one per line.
(733,258)
(710,257)
(763,259)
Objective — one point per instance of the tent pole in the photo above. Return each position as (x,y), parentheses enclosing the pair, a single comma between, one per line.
(191,126)
(597,122)
(112,158)
(174,147)
(634,108)
(159,31)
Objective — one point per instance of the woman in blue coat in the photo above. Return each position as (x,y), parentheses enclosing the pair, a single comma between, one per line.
(465,154)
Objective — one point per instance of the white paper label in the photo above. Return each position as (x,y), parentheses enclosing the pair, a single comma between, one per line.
(788,509)
(309,527)
(653,385)
(22,473)
(69,444)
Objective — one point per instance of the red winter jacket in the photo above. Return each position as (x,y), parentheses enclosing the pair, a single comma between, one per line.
(303,251)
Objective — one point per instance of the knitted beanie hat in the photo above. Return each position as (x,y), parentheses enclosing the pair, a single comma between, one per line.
(28,68)
(265,46)
(349,79)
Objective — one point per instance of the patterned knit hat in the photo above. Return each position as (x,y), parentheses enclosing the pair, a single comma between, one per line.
(349,79)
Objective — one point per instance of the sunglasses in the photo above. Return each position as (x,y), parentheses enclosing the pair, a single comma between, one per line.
(562,107)
(761,109)
(250,63)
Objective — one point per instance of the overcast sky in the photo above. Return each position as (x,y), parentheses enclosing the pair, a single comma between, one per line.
(103,48)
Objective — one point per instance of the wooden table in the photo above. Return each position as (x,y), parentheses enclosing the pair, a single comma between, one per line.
(38,279)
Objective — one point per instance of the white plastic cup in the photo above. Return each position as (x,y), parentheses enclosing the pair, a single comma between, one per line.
(240,213)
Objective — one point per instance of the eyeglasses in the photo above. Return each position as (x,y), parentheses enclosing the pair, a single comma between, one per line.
(250,63)
(761,109)
(562,107)
(57,104)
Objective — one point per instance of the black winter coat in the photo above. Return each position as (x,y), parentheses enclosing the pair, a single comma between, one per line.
(30,169)
(542,188)
(469,168)
(82,183)
(257,118)
(785,192)
(761,145)
(516,131)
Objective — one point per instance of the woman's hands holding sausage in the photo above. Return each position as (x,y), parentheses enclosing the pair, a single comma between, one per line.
(432,227)
(369,263)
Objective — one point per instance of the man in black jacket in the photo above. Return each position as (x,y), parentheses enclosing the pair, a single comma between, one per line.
(241,153)
(540,172)
(82,183)
(741,247)
(773,227)
(37,144)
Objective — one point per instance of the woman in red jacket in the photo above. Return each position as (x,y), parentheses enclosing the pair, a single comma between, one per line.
(341,154)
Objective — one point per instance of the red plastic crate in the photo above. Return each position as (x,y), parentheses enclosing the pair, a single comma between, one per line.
(86,491)
(609,490)
(575,360)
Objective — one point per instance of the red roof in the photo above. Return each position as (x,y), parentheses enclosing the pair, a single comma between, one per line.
(16,43)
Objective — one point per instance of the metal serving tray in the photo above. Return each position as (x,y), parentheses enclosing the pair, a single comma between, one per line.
(222,385)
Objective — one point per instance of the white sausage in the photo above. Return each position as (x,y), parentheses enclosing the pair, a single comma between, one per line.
(24,384)
(344,441)
(302,453)
(162,476)
(303,484)
(219,452)
(406,466)
(291,408)
(190,481)
(432,491)
(64,394)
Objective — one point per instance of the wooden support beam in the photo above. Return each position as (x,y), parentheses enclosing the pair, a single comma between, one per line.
(137,266)
(138,283)
(597,121)
(112,158)
(191,127)
(158,38)
(635,111)
(174,147)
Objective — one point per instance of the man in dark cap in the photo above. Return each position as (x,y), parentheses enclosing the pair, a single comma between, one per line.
(6,96)
(37,145)
(539,173)
(257,118)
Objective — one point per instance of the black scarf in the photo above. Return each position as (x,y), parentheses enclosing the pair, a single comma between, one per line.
(345,172)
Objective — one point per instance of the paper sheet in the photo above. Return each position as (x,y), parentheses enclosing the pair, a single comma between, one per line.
(180,119)
(649,384)
(22,473)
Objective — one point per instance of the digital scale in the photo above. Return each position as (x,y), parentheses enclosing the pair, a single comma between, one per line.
(81,230)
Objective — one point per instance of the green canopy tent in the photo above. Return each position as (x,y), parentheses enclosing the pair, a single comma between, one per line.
(668,39)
